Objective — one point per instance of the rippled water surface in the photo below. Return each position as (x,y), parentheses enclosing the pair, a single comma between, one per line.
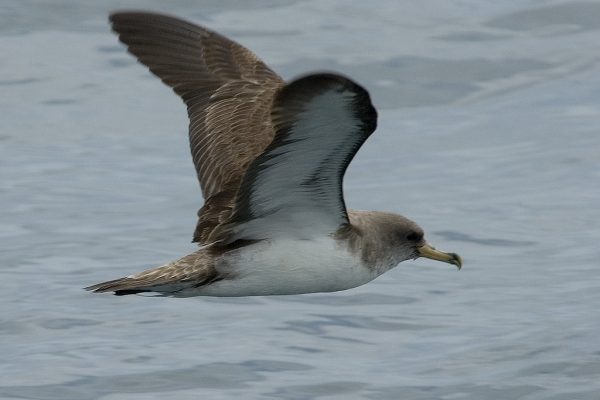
(488,137)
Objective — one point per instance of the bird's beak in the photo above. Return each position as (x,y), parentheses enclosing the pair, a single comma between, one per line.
(429,251)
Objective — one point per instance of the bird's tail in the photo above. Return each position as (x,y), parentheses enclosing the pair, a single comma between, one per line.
(193,270)
(121,286)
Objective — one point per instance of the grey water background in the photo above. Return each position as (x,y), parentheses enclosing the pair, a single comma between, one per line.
(488,137)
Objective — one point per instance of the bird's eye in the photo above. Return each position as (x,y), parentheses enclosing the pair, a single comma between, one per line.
(414,236)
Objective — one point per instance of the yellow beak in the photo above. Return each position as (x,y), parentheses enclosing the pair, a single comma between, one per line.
(429,251)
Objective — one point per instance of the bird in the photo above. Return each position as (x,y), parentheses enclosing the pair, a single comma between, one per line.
(270,157)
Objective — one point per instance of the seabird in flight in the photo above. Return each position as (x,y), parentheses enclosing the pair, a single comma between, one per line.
(270,157)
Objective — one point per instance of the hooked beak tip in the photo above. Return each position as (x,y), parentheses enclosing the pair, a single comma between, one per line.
(430,252)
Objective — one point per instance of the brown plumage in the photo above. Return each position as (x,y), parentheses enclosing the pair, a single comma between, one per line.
(177,273)
(270,158)
(228,92)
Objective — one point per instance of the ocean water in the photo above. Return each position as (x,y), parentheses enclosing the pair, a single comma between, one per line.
(488,137)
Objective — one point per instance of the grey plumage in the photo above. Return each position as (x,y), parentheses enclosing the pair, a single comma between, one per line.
(270,158)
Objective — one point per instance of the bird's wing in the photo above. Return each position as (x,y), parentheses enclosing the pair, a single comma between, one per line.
(295,186)
(228,92)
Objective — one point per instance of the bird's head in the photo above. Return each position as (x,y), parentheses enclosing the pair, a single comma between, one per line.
(410,242)
(388,239)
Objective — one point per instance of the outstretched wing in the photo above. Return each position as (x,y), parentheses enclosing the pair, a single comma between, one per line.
(295,186)
(228,92)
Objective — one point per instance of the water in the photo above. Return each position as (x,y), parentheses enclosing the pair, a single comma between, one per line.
(488,137)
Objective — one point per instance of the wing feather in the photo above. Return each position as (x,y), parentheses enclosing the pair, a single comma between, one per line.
(228,92)
(295,186)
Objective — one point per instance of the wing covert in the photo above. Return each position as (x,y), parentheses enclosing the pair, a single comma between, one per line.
(295,186)
(228,92)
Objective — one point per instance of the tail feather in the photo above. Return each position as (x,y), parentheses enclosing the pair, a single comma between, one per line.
(193,270)
(121,287)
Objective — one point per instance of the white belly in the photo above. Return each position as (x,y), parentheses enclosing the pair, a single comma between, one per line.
(287,267)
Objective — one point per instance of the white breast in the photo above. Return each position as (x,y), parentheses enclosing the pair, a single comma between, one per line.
(287,267)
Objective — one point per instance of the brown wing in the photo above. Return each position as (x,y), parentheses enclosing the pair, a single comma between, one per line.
(294,187)
(228,92)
